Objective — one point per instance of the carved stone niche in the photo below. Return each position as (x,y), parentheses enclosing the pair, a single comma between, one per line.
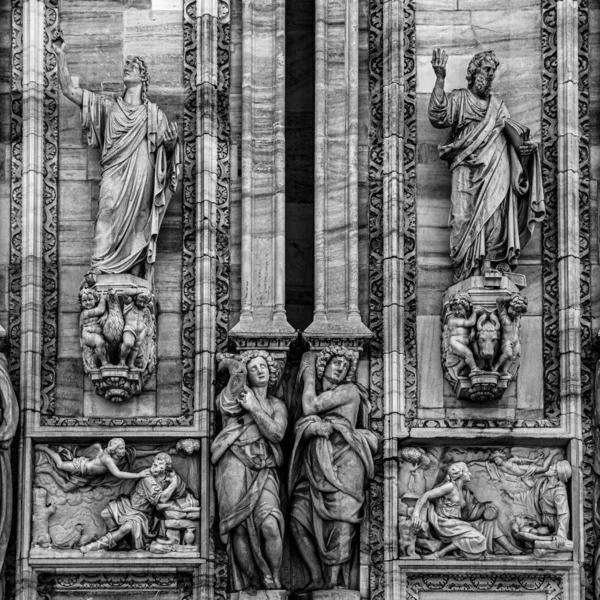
(118,333)
(478,503)
(481,335)
(116,497)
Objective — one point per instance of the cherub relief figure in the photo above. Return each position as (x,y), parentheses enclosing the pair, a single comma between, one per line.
(103,463)
(330,466)
(497,193)
(451,514)
(138,326)
(510,319)
(91,319)
(247,455)
(459,330)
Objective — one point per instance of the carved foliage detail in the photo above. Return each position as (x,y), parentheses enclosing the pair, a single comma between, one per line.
(484,582)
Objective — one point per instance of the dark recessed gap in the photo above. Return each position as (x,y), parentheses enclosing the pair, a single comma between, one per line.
(300,161)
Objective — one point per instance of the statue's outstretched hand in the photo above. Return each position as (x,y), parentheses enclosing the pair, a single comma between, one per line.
(438,62)
(58,43)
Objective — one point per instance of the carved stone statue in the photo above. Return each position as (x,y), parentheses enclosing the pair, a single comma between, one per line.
(518,466)
(544,528)
(497,193)
(458,335)
(118,339)
(137,516)
(140,166)
(451,515)
(88,467)
(9,419)
(481,346)
(246,454)
(330,466)
(509,313)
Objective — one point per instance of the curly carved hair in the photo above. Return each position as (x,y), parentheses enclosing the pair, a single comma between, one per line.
(477,61)
(498,454)
(166,457)
(328,353)
(461,299)
(144,295)
(518,302)
(112,443)
(456,471)
(87,291)
(141,63)
(272,364)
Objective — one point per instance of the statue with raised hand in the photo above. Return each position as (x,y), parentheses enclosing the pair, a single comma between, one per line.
(497,194)
(140,166)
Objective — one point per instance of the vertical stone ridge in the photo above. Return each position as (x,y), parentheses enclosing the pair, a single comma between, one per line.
(263,172)
(336,309)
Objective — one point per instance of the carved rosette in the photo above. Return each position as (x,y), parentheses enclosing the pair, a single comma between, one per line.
(481,335)
(118,334)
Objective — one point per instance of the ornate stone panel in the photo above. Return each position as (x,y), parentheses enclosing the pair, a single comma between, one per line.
(104,586)
(488,586)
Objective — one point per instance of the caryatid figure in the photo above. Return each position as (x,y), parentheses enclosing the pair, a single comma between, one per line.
(330,467)
(497,193)
(140,163)
(247,455)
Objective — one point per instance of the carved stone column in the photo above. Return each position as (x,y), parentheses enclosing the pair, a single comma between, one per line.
(336,173)
(32,250)
(263,176)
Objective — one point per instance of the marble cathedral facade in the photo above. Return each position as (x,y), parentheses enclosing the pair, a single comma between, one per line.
(245,352)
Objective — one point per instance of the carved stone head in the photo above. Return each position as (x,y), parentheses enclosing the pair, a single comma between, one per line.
(337,363)
(136,71)
(253,360)
(116,447)
(458,470)
(481,72)
(517,305)
(88,298)
(460,304)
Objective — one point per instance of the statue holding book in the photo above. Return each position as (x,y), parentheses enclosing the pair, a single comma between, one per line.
(497,193)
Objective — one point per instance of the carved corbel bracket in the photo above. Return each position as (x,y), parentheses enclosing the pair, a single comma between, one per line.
(481,335)
(118,333)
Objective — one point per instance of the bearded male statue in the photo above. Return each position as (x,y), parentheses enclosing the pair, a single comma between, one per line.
(497,194)
(140,162)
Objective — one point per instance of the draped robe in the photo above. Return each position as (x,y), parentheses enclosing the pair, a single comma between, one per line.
(328,477)
(246,480)
(495,202)
(138,179)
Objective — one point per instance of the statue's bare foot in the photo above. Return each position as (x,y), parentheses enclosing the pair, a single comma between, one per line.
(315,584)
(433,555)
(269,583)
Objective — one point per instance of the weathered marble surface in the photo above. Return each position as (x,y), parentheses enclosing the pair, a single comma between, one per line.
(74,484)
(117,30)
(516,497)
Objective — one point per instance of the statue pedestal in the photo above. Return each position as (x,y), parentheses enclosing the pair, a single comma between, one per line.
(117,383)
(260,595)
